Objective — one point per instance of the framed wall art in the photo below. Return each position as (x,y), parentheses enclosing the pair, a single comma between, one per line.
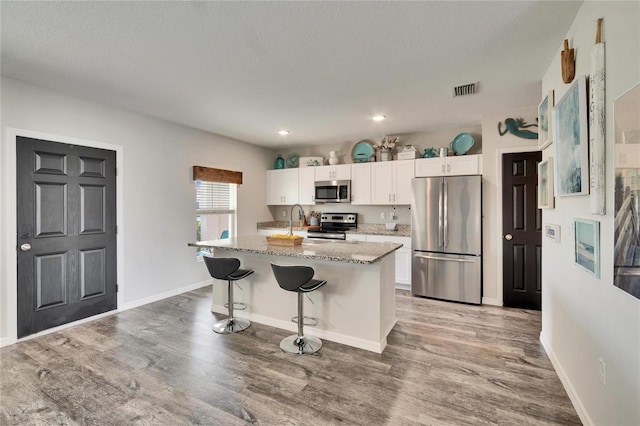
(571,141)
(545,184)
(626,265)
(545,110)
(597,127)
(587,245)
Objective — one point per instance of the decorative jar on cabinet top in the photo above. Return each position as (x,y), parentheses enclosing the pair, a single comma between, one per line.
(385,154)
(279,162)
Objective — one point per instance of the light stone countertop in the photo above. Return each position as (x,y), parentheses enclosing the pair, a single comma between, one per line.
(363,229)
(335,251)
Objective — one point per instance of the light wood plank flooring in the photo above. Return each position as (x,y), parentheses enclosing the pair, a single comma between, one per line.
(446,364)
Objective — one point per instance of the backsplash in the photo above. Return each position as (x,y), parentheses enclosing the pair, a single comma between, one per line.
(366,214)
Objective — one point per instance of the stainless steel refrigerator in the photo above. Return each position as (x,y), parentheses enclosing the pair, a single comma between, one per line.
(446,238)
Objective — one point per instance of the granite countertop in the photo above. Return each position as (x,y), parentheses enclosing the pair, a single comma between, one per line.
(336,251)
(365,228)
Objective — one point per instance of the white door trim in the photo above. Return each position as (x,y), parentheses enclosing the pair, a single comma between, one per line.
(10,275)
(499,153)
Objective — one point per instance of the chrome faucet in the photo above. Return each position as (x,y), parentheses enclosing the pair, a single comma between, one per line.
(291,217)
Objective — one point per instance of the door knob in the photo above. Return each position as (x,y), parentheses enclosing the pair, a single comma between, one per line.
(508,237)
(25,247)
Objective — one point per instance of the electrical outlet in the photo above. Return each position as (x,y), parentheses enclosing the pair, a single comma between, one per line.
(602,372)
(392,215)
(381,215)
(284,213)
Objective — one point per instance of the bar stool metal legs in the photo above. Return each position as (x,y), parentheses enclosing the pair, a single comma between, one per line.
(231,324)
(228,269)
(299,343)
(298,279)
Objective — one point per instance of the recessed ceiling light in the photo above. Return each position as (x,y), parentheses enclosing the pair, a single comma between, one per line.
(378,117)
(283,132)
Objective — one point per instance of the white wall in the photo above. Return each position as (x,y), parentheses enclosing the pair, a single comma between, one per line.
(585,318)
(494,146)
(158,197)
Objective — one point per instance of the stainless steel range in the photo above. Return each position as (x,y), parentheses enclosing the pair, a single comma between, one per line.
(333,226)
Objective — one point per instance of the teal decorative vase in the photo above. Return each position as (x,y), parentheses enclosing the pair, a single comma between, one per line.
(279,162)
(429,153)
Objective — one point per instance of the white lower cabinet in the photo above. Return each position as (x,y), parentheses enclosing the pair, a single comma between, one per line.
(403,255)
(356,237)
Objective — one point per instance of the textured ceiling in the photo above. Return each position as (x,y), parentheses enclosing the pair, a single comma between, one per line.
(321,69)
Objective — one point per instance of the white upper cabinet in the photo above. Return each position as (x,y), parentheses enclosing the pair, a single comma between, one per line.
(306,185)
(337,172)
(391,182)
(361,183)
(444,166)
(282,186)
(403,172)
(381,182)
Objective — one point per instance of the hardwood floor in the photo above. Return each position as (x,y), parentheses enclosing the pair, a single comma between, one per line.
(446,364)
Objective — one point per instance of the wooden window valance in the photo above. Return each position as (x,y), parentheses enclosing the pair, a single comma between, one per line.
(210,174)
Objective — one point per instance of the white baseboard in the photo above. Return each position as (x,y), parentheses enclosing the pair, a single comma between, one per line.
(367,345)
(491,301)
(568,387)
(400,286)
(164,295)
(6,341)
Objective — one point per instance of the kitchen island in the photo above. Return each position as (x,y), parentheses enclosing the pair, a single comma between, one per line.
(356,307)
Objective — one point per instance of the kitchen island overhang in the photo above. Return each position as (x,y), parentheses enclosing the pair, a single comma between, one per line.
(355,308)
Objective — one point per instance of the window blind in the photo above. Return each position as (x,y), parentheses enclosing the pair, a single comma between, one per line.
(214,197)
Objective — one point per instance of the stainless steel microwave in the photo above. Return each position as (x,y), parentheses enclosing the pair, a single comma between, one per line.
(333,191)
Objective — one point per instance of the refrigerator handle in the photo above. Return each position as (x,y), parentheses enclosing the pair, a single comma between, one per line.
(446,222)
(446,259)
(440,215)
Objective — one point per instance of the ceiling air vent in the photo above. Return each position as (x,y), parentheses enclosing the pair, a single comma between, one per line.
(465,89)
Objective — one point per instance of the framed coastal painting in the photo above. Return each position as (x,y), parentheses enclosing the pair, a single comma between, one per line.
(626,161)
(545,184)
(545,110)
(587,245)
(570,138)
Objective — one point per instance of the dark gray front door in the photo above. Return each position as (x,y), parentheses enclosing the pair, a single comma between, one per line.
(522,231)
(66,214)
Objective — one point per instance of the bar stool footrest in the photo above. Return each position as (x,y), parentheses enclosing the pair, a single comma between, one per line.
(237,306)
(308,321)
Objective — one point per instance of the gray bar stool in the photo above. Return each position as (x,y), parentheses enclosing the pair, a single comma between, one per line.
(298,279)
(228,269)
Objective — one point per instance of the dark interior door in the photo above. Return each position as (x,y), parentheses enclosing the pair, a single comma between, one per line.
(521,225)
(66,214)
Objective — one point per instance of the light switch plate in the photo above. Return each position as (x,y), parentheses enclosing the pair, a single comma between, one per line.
(552,232)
